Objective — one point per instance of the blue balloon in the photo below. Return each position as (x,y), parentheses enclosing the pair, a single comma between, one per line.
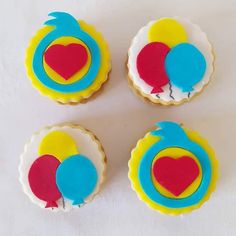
(185,66)
(76,178)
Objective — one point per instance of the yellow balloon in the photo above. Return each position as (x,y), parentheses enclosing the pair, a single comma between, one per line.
(59,144)
(167,31)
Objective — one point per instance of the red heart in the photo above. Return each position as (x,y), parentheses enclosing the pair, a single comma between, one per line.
(66,60)
(175,175)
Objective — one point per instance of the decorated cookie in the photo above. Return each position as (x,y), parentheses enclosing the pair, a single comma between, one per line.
(172,169)
(67,60)
(62,167)
(170,61)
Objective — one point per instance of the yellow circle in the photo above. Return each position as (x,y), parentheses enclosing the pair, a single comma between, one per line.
(59,144)
(176,153)
(167,31)
(136,156)
(102,75)
(77,76)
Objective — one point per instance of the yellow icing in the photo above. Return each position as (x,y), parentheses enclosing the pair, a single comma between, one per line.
(55,76)
(77,96)
(59,144)
(176,153)
(167,31)
(134,162)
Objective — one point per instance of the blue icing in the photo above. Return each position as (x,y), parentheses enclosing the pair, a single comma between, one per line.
(66,25)
(76,178)
(172,135)
(185,66)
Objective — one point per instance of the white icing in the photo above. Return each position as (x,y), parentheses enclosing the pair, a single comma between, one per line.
(86,145)
(196,37)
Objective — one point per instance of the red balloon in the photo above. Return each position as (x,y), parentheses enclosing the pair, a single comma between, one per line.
(151,65)
(42,179)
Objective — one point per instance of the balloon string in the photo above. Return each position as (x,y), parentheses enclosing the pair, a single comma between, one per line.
(189,94)
(63,202)
(171,91)
(157,95)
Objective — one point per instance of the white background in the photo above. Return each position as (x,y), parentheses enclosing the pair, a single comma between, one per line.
(117,117)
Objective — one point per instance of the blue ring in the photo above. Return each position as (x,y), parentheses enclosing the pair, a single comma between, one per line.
(145,177)
(79,85)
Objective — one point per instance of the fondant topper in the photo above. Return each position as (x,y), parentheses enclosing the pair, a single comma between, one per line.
(172,135)
(57,174)
(172,169)
(177,61)
(170,60)
(67,59)
(62,167)
(66,25)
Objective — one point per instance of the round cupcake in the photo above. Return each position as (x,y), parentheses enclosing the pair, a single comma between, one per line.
(67,60)
(172,169)
(170,61)
(62,167)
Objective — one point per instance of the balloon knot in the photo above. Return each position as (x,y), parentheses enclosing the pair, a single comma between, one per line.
(51,204)
(78,202)
(187,89)
(157,90)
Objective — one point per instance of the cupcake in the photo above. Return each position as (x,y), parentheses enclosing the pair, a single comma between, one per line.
(67,60)
(172,169)
(62,167)
(170,60)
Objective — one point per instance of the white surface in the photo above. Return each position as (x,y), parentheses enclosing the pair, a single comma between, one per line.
(118,118)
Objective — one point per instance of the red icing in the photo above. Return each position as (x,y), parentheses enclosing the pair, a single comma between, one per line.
(51,204)
(66,60)
(151,65)
(175,175)
(42,179)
